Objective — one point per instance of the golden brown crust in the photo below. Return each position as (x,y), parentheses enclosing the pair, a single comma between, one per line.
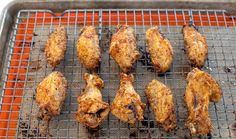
(161,100)
(195,45)
(160,50)
(88,50)
(51,93)
(56,45)
(201,89)
(92,111)
(127,105)
(123,47)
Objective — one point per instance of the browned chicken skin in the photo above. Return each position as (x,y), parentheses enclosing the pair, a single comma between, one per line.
(91,109)
(195,45)
(160,49)
(161,100)
(201,89)
(55,47)
(51,93)
(127,105)
(88,50)
(123,47)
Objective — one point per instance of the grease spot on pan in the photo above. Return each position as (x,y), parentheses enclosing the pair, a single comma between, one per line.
(35,66)
(145,123)
(133,134)
(227,69)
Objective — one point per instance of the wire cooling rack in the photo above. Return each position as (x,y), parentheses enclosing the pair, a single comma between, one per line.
(26,66)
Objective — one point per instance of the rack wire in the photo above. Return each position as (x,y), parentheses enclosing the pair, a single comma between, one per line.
(26,67)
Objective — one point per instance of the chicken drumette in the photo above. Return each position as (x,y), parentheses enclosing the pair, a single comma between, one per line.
(127,105)
(55,47)
(161,100)
(195,45)
(51,94)
(160,49)
(123,47)
(91,109)
(201,89)
(88,50)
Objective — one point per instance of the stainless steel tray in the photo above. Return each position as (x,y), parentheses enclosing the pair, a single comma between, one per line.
(25,66)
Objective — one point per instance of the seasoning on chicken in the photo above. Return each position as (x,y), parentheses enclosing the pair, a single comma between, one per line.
(51,94)
(161,100)
(88,50)
(55,47)
(201,89)
(127,105)
(123,47)
(160,50)
(195,45)
(91,109)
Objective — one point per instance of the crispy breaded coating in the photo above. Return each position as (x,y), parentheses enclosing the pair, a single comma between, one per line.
(123,47)
(51,93)
(195,45)
(201,89)
(88,50)
(127,105)
(160,98)
(92,111)
(56,45)
(160,50)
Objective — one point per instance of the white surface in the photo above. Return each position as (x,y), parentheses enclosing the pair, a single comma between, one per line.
(3,4)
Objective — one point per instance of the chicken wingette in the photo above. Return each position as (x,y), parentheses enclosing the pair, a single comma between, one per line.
(56,45)
(123,47)
(160,50)
(195,45)
(160,99)
(88,50)
(127,105)
(201,89)
(91,109)
(51,93)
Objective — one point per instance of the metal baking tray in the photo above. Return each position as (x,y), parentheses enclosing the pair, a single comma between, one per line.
(25,27)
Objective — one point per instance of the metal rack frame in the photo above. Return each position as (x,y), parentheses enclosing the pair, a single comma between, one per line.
(30,34)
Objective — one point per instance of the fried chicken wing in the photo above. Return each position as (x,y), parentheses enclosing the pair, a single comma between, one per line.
(201,89)
(88,50)
(123,47)
(127,105)
(161,101)
(55,47)
(91,109)
(160,49)
(51,93)
(195,45)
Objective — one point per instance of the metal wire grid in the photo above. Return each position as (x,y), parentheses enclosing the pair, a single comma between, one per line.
(220,64)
